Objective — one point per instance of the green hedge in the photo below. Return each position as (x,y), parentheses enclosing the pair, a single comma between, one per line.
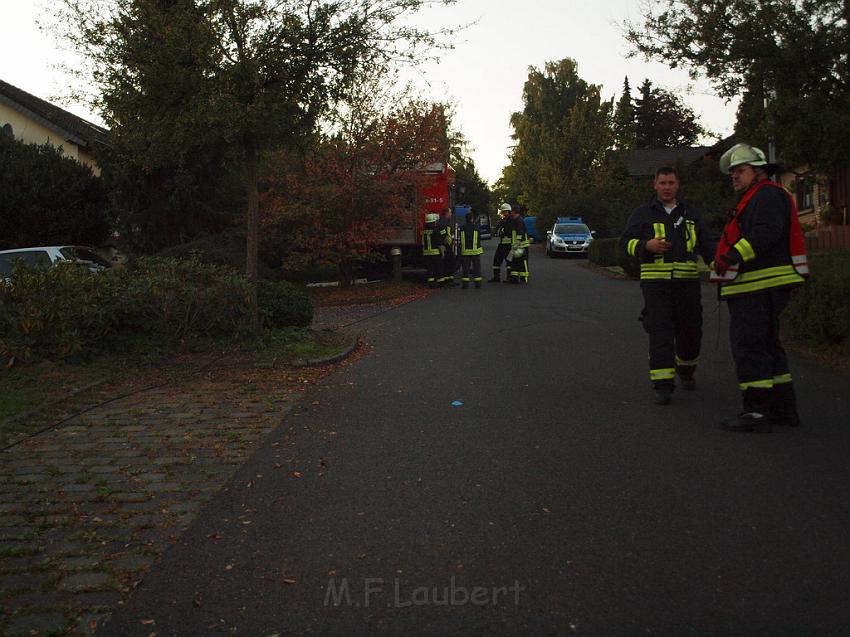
(819,311)
(607,252)
(62,311)
(283,304)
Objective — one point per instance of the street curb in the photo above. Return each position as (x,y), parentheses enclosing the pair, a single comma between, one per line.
(314,362)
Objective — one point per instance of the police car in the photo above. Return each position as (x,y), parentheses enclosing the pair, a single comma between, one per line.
(568,236)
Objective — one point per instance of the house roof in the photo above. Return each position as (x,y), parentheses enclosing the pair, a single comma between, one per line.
(645,161)
(71,127)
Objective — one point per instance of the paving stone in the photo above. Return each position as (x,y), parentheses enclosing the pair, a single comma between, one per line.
(162,487)
(89,623)
(129,497)
(96,599)
(85,582)
(52,520)
(33,599)
(25,581)
(59,549)
(132,562)
(36,624)
(104,468)
(18,533)
(78,488)
(79,563)
(184,507)
(146,520)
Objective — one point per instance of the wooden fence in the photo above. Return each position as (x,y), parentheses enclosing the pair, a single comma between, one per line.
(828,238)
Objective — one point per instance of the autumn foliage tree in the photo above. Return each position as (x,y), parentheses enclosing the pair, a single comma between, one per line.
(338,201)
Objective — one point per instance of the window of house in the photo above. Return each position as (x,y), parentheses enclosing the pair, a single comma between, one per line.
(7,131)
(805,193)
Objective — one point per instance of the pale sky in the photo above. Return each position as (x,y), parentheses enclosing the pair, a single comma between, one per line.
(483,75)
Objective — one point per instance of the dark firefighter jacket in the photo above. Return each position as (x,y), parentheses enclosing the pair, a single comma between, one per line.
(762,245)
(503,230)
(683,227)
(470,241)
(432,239)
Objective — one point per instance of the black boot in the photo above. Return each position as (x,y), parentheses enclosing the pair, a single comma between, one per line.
(783,405)
(754,416)
(663,393)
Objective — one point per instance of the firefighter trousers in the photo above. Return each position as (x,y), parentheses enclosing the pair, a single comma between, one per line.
(433,263)
(672,316)
(519,268)
(760,360)
(471,268)
(502,251)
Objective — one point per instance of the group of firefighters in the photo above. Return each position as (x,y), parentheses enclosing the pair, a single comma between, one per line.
(441,245)
(759,258)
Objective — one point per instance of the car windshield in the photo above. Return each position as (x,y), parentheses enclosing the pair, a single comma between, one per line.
(571,228)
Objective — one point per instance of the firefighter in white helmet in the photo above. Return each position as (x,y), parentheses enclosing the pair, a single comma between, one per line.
(503,232)
(760,258)
(431,242)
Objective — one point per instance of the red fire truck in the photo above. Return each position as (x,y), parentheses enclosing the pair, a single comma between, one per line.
(435,193)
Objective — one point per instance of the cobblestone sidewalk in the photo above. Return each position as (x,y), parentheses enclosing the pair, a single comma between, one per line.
(87,507)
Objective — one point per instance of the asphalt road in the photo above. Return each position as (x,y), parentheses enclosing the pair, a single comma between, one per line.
(556,500)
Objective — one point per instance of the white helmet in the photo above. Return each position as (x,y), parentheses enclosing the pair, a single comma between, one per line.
(505,207)
(741,154)
(432,217)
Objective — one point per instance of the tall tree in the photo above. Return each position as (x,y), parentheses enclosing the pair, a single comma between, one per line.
(562,160)
(793,51)
(625,132)
(341,200)
(662,120)
(242,76)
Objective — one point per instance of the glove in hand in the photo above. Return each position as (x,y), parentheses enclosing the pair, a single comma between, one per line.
(724,262)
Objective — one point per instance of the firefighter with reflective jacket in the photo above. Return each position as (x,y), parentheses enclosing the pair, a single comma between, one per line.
(470,252)
(667,236)
(519,249)
(760,258)
(503,250)
(446,228)
(432,241)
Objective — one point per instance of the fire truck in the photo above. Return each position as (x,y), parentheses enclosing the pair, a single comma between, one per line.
(435,193)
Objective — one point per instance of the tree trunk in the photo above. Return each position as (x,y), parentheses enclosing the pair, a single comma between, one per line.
(346,273)
(251,220)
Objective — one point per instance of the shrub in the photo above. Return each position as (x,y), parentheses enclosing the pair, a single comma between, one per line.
(819,311)
(58,311)
(181,298)
(283,304)
(604,252)
(607,252)
(66,310)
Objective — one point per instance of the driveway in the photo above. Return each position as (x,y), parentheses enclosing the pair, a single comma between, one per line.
(496,466)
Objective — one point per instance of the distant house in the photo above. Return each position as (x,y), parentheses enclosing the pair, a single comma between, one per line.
(33,120)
